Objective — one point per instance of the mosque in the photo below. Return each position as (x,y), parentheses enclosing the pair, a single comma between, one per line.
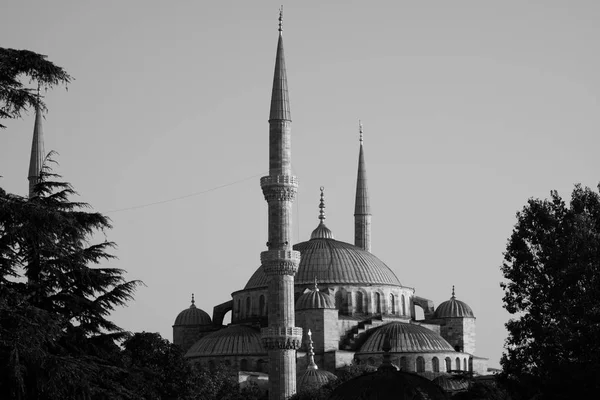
(318,305)
(341,295)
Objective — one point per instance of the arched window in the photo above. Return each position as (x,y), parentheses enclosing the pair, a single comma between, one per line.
(420,364)
(435,364)
(244,365)
(261,305)
(403,364)
(448,364)
(392,304)
(359,302)
(262,366)
(470,364)
(247,306)
(457,364)
(403,305)
(339,300)
(465,364)
(238,310)
(377,303)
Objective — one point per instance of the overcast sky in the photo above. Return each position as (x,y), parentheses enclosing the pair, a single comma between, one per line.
(469,109)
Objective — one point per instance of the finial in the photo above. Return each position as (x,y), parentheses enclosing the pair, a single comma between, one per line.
(360,129)
(453,292)
(281,18)
(193,302)
(311,353)
(322,205)
(387,365)
(316,284)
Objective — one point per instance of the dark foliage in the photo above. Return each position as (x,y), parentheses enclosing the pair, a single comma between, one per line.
(55,339)
(19,68)
(552,271)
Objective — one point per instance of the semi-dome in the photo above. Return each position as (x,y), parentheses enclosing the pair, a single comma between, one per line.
(405,338)
(453,308)
(333,262)
(234,340)
(314,299)
(192,316)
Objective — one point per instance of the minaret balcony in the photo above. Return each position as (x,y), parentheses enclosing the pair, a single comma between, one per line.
(278,180)
(280,337)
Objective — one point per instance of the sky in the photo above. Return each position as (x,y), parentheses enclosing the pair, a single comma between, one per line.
(469,109)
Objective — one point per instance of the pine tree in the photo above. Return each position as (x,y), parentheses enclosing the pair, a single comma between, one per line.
(56,341)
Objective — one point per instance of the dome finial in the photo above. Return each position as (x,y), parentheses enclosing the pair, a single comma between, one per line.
(360,130)
(387,357)
(193,301)
(322,205)
(453,296)
(311,353)
(316,284)
(281,18)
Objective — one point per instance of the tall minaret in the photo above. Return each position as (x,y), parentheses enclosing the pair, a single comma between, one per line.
(362,209)
(280,263)
(37,151)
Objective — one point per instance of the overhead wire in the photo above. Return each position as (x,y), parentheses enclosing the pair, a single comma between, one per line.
(185,196)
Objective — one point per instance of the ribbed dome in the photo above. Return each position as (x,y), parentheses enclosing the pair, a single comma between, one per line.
(314,299)
(453,308)
(193,316)
(233,340)
(321,232)
(334,262)
(405,338)
(313,379)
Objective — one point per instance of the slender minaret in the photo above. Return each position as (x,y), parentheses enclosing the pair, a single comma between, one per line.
(362,209)
(37,151)
(280,263)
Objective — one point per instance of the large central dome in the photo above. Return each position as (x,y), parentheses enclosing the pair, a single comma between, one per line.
(333,262)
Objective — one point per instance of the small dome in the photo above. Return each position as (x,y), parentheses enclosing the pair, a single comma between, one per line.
(405,338)
(233,340)
(321,232)
(314,379)
(314,299)
(192,316)
(453,308)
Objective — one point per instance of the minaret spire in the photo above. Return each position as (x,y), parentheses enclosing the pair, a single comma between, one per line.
(280,262)
(362,208)
(36,160)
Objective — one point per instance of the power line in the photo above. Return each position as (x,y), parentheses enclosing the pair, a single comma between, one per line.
(185,196)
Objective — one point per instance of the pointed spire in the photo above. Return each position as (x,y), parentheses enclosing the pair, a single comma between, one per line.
(280,103)
(362,208)
(37,151)
(311,353)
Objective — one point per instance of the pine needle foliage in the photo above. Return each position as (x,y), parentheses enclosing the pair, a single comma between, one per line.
(56,295)
(22,74)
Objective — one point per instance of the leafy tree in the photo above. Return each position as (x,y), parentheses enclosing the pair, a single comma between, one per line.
(56,341)
(156,367)
(17,66)
(552,271)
